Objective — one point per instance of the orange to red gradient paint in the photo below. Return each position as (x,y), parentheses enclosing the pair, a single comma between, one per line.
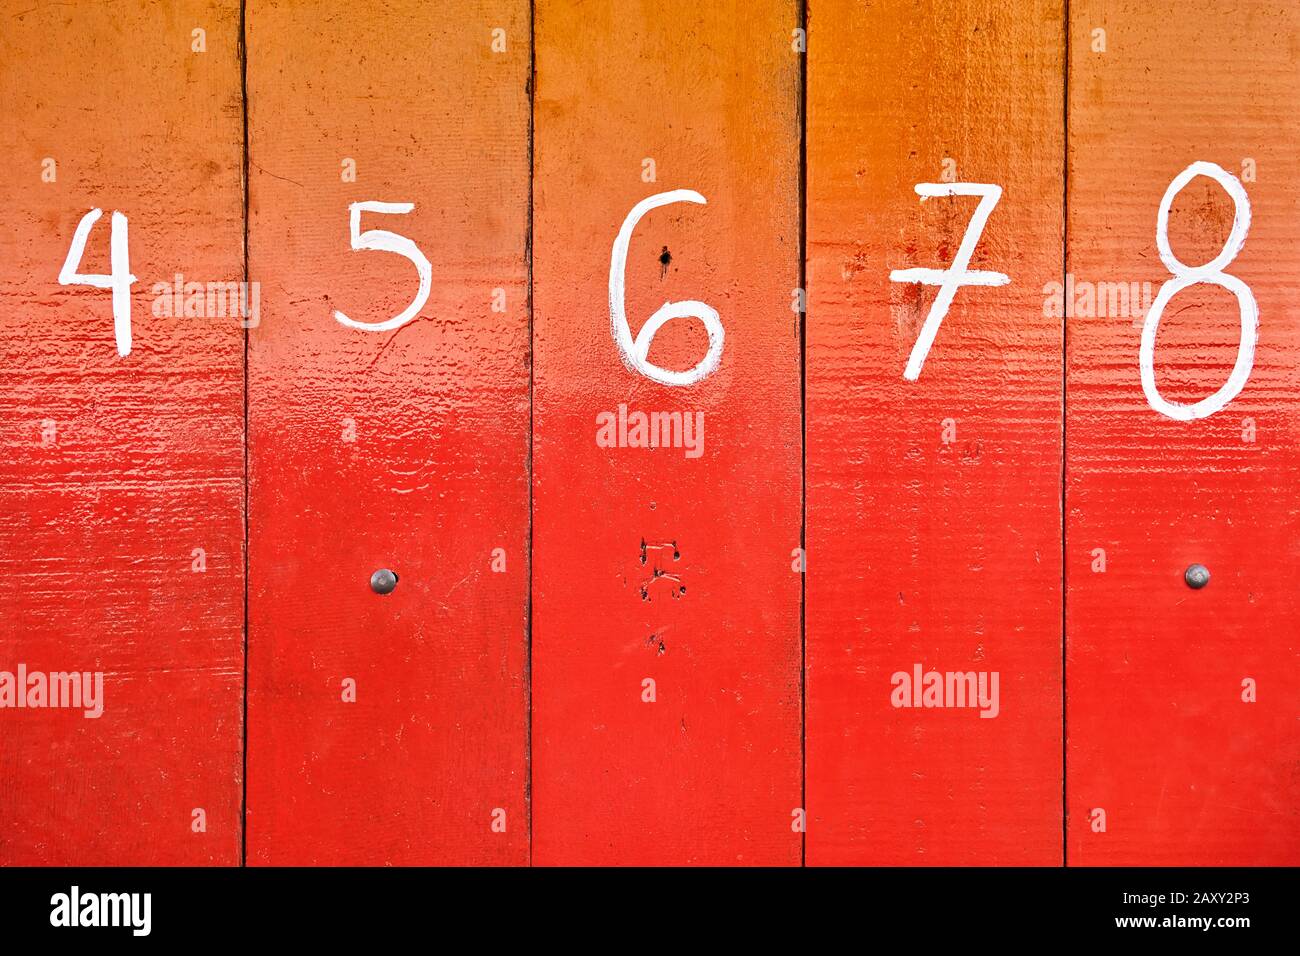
(669,433)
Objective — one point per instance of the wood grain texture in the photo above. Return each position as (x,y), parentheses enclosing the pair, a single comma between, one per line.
(709,772)
(1159,736)
(924,547)
(936,530)
(404,449)
(116,469)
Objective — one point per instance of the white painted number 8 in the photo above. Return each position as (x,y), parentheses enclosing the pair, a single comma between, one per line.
(635,352)
(1211,273)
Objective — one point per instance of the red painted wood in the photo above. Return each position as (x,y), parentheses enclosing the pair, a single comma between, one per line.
(1159,735)
(710,771)
(943,553)
(933,511)
(117,470)
(404,449)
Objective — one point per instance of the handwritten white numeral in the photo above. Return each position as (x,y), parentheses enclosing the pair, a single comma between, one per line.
(380,240)
(635,352)
(1211,273)
(951,279)
(119,280)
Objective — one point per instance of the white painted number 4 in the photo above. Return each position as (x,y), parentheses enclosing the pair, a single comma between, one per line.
(119,279)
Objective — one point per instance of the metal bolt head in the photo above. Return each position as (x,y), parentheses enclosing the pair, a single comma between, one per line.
(1197,576)
(383,581)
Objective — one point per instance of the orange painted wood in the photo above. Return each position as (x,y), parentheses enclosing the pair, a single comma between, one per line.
(121,481)
(650,564)
(933,520)
(1160,738)
(404,449)
(658,714)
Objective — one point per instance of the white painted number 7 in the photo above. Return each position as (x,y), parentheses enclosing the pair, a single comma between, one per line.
(951,279)
(380,240)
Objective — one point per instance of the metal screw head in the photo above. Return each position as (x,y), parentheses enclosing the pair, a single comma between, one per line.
(383,581)
(1197,576)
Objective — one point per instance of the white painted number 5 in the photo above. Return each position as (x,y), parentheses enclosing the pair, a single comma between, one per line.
(380,240)
(635,352)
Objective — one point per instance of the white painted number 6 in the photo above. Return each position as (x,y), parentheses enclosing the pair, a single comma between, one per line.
(635,352)
(381,240)
(1212,273)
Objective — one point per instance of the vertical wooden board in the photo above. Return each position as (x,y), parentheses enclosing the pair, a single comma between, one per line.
(666,564)
(404,449)
(933,520)
(1159,736)
(121,478)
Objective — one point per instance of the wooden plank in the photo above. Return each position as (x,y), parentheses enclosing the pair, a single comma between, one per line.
(121,552)
(670,564)
(403,449)
(933,521)
(1186,771)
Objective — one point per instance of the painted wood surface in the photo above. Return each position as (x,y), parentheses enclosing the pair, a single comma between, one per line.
(1161,739)
(933,505)
(404,449)
(121,478)
(651,563)
(595,652)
